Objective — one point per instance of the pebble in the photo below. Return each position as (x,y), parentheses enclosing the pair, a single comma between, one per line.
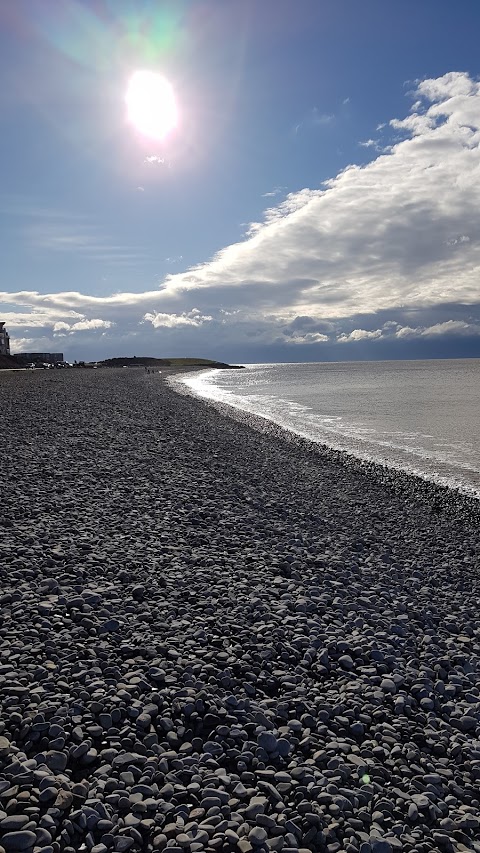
(21,840)
(268,741)
(13,822)
(379,846)
(5,747)
(257,836)
(218,637)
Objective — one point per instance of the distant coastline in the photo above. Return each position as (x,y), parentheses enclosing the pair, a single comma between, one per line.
(148,361)
(17,362)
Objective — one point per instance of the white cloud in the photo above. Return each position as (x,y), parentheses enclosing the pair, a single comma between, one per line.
(307,338)
(451,85)
(38,318)
(416,124)
(154,159)
(173,321)
(448,327)
(396,239)
(407,332)
(21,344)
(83,325)
(40,343)
(376,237)
(455,241)
(392,329)
(276,191)
(359,335)
(452,327)
(49,319)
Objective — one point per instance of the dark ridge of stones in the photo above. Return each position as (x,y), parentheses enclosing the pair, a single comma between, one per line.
(218,639)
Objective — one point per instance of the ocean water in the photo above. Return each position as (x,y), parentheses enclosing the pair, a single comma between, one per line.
(420,416)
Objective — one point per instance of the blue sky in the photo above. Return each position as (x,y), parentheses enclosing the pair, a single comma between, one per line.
(318,199)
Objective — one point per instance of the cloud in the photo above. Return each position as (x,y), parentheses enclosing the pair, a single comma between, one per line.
(374,144)
(276,191)
(22,344)
(379,236)
(307,338)
(46,230)
(42,343)
(407,332)
(359,335)
(39,319)
(173,321)
(320,119)
(384,252)
(314,118)
(83,325)
(455,241)
(453,327)
(154,159)
(85,241)
(454,84)
(42,328)
(302,331)
(391,330)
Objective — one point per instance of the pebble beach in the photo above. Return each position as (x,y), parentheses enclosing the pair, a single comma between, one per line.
(217,637)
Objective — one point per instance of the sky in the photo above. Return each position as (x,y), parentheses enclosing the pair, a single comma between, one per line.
(314,194)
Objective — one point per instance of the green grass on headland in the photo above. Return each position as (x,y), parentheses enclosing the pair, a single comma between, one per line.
(148,361)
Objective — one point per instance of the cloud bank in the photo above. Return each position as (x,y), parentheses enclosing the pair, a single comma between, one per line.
(386,252)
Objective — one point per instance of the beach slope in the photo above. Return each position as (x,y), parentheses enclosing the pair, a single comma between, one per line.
(213,638)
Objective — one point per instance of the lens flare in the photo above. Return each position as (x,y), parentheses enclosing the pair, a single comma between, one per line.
(151,106)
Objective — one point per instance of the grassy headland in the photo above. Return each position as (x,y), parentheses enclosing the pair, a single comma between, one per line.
(149,361)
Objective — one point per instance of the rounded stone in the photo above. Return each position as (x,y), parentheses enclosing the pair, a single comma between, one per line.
(268,741)
(21,840)
(257,836)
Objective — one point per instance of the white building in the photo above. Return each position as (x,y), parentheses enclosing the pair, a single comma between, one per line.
(4,340)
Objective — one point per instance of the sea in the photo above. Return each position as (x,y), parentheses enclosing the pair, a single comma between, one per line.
(419,416)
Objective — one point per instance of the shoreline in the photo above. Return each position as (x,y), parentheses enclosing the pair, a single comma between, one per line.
(214,639)
(399,479)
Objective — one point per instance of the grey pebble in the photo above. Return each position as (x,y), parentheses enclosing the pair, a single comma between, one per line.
(21,840)
(257,836)
(215,636)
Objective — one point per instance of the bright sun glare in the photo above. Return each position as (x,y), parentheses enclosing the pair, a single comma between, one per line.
(151,106)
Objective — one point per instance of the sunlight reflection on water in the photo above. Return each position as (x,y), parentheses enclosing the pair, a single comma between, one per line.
(418,416)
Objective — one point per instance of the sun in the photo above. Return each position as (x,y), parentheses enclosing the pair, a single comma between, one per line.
(151,105)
